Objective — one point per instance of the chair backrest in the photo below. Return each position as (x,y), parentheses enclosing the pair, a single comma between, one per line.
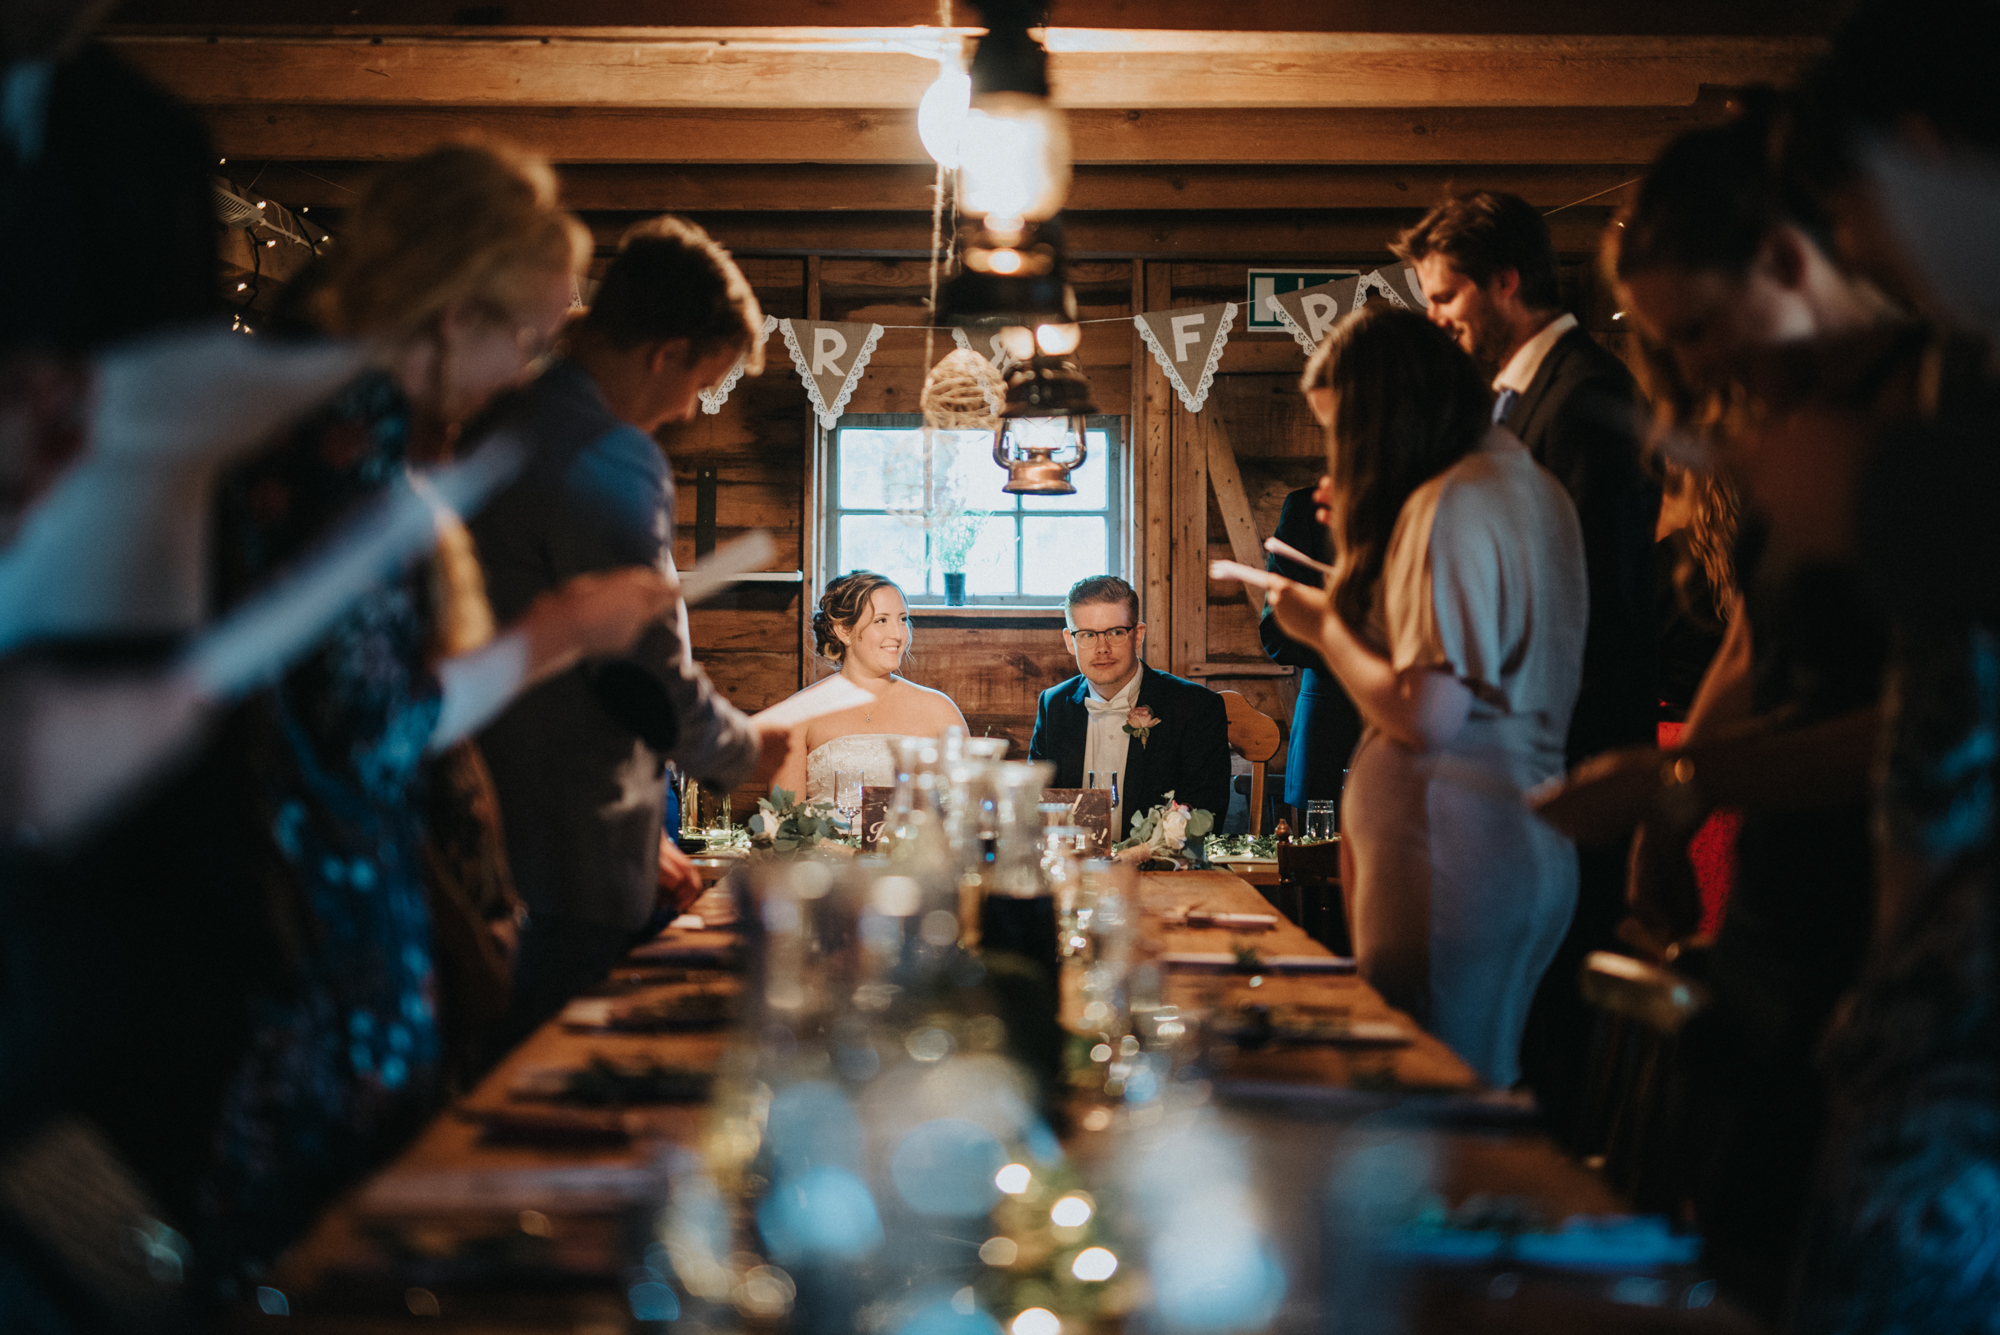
(1634,1121)
(1255,736)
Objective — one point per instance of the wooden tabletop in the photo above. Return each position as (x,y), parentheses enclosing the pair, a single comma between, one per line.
(1422,1065)
(541,1238)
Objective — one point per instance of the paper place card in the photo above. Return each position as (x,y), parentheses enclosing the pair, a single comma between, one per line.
(1221,959)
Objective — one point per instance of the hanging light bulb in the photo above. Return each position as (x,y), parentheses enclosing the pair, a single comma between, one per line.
(1013,175)
(1014,168)
(941,114)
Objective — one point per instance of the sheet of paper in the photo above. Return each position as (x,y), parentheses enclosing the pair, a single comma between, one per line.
(1293,554)
(828,697)
(1236,570)
(752,551)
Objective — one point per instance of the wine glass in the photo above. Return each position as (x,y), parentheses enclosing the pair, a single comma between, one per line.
(847,799)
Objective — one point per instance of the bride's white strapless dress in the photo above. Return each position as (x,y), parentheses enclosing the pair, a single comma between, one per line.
(868,754)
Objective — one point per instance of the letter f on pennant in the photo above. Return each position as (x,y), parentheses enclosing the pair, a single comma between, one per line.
(1187,332)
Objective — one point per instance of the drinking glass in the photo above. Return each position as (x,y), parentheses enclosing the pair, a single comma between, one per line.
(847,799)
(1321,820)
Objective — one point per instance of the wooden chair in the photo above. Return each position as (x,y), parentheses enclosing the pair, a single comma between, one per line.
(1309,893)
(1255,736)
(1635,1114)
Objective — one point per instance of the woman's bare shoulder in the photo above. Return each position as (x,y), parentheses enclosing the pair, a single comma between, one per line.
(935,702)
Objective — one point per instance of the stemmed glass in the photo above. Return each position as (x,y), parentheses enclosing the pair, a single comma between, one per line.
(847,799)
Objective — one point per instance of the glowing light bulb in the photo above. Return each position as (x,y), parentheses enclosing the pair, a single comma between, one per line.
(941,114)
(1013,161)
(1019,343)
(1037,1321)
(1070,1212)
(1094,1263)
(1004,261)
(1058,340)
(1013,1179)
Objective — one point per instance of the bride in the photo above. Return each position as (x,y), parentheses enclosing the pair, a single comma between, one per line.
(863,625)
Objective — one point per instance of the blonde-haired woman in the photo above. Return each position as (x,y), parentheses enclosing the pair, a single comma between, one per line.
(863,625)
(458,267)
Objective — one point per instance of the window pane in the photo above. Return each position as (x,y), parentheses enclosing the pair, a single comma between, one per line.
(1092,481)
(967,457)
(989,566)
(864,458)
(884,544)
(1057,552)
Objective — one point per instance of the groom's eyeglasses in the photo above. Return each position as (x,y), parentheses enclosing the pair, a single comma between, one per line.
(1116,635)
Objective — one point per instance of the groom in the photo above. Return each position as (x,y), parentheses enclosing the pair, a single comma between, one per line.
(1159,732)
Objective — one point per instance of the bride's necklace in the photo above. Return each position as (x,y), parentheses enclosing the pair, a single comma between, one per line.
(869,717)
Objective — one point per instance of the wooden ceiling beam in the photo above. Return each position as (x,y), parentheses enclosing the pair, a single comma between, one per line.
(1433,16)
(819,188)
(837,68)
(1309,237)
(1553,136)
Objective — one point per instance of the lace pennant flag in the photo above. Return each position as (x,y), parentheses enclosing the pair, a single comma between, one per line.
(1391,286)
(830,356)
(713,399)
(1416,289)
(1310,311)
(1188,344)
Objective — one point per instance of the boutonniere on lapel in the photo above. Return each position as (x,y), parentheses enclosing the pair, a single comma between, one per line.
(1140,723)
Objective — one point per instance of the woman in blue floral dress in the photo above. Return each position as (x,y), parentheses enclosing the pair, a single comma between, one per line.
(460,267)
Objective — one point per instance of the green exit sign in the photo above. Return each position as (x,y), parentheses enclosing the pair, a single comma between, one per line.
(1267,283)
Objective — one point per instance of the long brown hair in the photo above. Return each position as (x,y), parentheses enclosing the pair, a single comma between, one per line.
(1407,404)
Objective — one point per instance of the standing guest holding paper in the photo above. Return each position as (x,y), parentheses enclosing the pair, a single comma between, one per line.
(1325,724)
(458,266)
(1488,271)
(579,762)
(1455,620)
(1158,733)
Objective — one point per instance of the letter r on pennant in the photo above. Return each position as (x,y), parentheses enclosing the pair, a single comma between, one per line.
(1187,332)
(1320,309)
(829,345)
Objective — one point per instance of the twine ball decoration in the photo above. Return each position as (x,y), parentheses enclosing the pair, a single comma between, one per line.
(963,393)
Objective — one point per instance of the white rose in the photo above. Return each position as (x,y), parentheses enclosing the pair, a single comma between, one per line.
(1173,827)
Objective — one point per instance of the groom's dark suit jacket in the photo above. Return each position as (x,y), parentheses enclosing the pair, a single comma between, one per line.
(1187,752)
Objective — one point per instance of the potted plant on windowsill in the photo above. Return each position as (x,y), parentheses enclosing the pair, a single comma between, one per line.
(952,541)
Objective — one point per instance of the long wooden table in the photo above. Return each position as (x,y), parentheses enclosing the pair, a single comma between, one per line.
(524,1238)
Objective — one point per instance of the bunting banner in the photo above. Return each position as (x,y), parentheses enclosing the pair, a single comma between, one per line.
(1310,311)
(830,357)
(713,399)
(1188,344)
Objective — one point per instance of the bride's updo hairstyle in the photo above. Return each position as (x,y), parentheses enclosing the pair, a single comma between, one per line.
(844,604)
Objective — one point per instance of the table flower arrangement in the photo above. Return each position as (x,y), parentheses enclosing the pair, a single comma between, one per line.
(1170,835)
(785,826)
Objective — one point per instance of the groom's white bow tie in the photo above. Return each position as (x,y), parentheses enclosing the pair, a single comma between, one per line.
(1097,706)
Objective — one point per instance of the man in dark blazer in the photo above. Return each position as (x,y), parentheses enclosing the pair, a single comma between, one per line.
(1488,271)
(1157,732)
(578,761)
(1325,724)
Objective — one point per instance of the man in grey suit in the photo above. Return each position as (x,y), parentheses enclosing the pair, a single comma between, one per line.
(1488,270)
(579,761)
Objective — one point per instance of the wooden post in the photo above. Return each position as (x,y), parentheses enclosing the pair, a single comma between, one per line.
(814,501)
(1189,539)
(1153,468)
